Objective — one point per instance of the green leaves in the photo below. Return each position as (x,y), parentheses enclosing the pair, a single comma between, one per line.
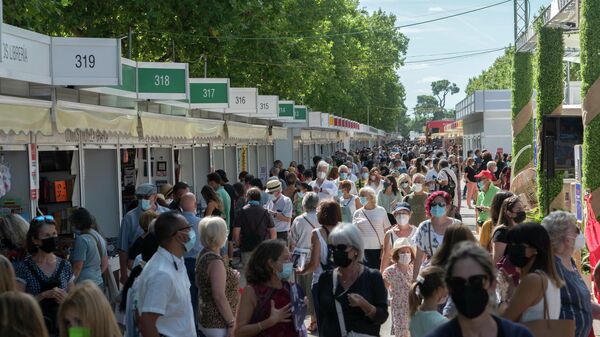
(590,72)
(328,54)
(498,76)
(549,79)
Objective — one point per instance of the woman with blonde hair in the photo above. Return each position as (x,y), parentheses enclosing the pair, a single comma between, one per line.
(86,307)
(7,275)
(20,316)
(404,184)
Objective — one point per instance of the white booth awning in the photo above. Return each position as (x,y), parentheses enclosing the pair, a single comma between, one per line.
(23,115)
(156,125)
(78,116)
(246,131)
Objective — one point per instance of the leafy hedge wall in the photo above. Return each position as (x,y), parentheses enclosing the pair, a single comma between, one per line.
(550,94)
(590,72)
(522,90)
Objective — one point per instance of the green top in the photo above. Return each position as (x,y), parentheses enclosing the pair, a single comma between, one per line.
(224,196)
(417,206)
(485,199)
(388,202)
(424,322)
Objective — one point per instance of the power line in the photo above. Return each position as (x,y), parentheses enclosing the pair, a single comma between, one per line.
(359,32)
(454,57)
(453,53)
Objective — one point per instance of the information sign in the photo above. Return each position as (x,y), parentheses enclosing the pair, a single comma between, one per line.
(268,106)
(286,109)
(209,93)
(86,61)
(300,112)
(162,80)
(242,100)
(25,55)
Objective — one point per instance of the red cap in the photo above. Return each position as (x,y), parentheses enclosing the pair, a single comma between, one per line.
(485,174)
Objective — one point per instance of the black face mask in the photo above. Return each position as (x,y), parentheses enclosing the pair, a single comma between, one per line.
(470,301)
(520,217)
(49,244)
(516,255)
(341,259)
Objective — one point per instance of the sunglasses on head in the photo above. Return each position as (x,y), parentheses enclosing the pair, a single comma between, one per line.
(338,247)
(441,204)
(44,218)
(477,281)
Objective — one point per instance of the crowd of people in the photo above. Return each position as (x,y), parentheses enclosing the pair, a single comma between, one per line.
(358,238)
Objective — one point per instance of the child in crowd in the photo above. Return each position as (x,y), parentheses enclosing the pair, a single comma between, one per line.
(424,298)
(398,278)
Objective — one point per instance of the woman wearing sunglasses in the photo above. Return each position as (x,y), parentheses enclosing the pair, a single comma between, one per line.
(471,282)
(529,249)
(43,274)
(430,233)
(351,297)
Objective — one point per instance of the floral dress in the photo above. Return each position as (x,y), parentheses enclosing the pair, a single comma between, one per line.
(399,286)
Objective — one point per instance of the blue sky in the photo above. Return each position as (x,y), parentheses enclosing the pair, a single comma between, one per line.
(487,29)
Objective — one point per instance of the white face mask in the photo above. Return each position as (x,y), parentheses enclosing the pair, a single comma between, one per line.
(322,175)
(404,258)
(495,169)
(417,187)
(579,242)
(402,219)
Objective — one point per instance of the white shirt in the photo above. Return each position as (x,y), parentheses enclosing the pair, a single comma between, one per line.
(327,189)
(352,189)
(165,290)
(377,188)
(284,206)
(536,311)
(373,231)
(302,228)
(443,175)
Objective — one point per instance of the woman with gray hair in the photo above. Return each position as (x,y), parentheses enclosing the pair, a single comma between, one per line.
(576,303)
(300,244)
(351,297)
(13,231)
(326,188)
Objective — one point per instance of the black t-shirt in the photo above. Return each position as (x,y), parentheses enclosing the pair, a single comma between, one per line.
(500,235)
(370,286)
(470,171)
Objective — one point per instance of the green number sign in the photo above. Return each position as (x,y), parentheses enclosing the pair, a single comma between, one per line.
(286,109)
(209,92)
(300,112)
(162,80)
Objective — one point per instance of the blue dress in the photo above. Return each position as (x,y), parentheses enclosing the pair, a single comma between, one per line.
(575,299)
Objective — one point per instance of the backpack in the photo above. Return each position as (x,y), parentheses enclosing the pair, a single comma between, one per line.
(346,214)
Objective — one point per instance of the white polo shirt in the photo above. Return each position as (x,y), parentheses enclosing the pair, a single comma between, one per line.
(165,290)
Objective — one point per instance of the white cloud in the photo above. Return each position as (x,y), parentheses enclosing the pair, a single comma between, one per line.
(435,9)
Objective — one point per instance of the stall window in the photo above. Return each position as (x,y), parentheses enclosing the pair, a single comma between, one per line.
(59,186)
(14,184)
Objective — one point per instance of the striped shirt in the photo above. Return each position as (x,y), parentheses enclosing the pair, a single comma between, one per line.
(575,299)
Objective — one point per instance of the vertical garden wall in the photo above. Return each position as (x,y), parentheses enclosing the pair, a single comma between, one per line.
(589,32)
(549,79)
(522,111)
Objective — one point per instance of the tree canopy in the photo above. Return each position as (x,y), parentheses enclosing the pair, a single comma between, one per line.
(330,55)
(497,76)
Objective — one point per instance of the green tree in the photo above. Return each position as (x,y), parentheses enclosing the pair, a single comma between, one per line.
(441,89)
(330,55)
(497,76)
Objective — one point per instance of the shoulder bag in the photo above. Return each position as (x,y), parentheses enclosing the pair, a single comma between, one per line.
(550,327)
(340,312)
(370,223)
(111,291)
